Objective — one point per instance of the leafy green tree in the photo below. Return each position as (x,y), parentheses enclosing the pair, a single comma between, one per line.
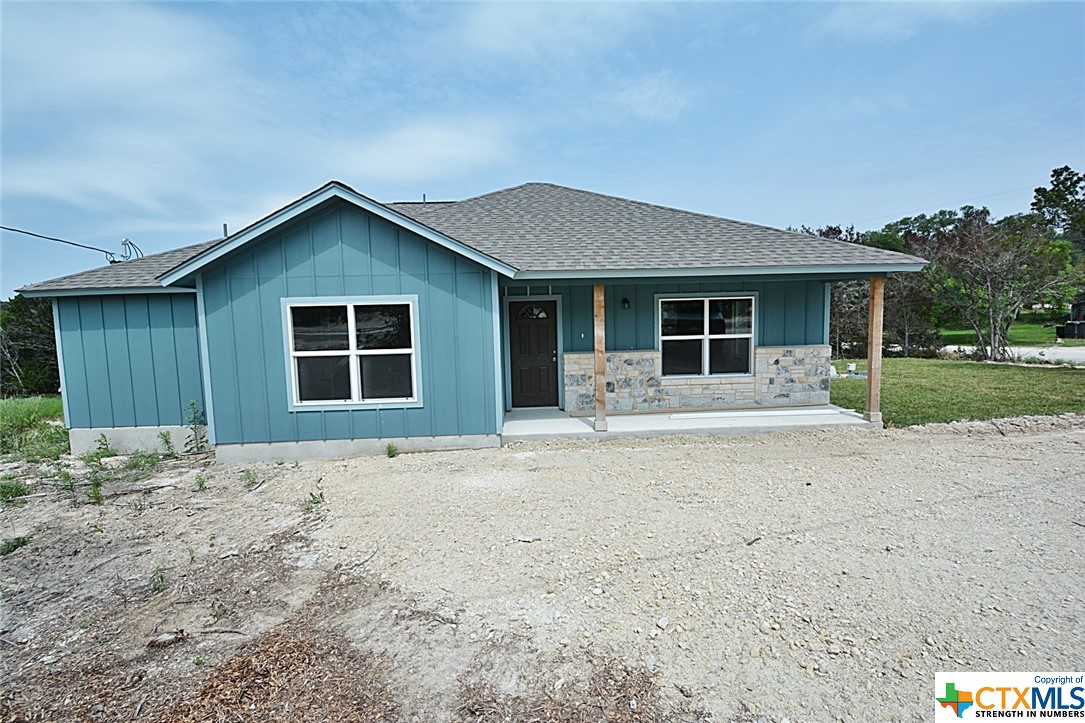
(909,307)
(28,354)
(1062,206)
(988,271)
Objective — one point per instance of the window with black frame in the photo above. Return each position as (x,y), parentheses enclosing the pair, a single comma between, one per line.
(706,336)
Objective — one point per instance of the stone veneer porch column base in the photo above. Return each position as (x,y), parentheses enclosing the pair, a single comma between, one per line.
(783,376)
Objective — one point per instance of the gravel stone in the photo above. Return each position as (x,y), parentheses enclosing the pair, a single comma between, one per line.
(659,527)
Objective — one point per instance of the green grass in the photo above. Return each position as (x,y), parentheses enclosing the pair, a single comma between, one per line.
(28,429)
(12,544)
(919,391)
(1023,332)
(11,489)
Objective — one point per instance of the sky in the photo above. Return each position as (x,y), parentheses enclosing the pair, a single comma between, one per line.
(161,122)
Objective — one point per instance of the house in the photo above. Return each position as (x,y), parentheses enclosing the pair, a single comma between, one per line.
(337,324)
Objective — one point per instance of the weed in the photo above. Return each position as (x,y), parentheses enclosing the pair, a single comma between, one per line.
(94,494)
(140,460)
(102,450)
(211,540)
(97,528)
(195,421)
(140,465)
(168,450)
(250,479)
(67,483)
(138,505)
(159,580)
(191,556)
(10,489)
(220,611)
(391,450)
(313,503)
(12,544)
(198,660)
(201,483)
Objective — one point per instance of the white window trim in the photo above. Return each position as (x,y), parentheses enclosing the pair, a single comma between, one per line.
(353,353)
(706,336)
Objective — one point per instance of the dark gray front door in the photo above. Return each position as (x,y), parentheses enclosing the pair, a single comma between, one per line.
(533,353)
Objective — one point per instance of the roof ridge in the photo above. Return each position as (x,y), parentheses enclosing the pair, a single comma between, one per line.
(503,190)
(686,211)
(674,209)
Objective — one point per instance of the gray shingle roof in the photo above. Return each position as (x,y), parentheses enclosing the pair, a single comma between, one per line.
(543,227)
(133,274)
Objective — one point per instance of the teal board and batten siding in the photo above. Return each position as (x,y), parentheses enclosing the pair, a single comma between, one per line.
(791,312)
(340,250)
(130,360)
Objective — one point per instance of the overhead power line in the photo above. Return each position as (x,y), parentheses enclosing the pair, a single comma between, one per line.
(109,254)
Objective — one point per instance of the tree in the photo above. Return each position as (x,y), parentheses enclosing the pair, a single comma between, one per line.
(28,354)
(1062,206)
(909,308)
(988,271)
(848,318)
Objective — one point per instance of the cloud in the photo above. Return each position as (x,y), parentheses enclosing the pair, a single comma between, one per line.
(107,104)
(428,149)
(653,97)
(893,21)
(536,30)
(159,113)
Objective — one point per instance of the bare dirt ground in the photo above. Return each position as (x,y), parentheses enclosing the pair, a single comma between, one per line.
(811,576)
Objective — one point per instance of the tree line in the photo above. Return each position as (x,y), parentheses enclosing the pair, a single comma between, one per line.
(982,272)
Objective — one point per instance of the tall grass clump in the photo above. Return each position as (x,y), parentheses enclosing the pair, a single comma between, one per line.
(32,428)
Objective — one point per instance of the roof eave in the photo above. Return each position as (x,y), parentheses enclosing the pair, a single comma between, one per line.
(103,291)
(799,270)
(327,192)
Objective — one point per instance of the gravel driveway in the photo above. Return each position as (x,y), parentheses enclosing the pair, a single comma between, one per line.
(814,576)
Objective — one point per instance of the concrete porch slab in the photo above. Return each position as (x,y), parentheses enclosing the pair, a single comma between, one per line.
(550,423)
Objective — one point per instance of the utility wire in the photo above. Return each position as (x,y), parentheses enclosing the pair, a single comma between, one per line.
(109,254)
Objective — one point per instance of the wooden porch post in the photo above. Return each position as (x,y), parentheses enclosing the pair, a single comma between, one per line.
(874,351)
(600,361)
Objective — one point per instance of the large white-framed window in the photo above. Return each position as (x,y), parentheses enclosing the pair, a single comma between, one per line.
(352,351)
(706,335)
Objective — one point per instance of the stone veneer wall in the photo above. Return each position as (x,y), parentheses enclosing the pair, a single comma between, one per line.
(783,376)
